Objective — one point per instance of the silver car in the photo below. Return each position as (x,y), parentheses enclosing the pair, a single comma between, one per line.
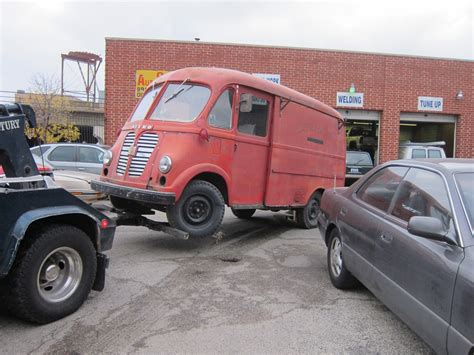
(72,156)
(405,231)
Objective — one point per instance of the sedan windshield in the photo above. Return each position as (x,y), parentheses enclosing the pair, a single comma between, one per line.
(181,103)
(466,190)
(354,158)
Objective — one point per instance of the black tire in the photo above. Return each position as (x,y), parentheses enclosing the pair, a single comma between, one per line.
(340,277)
(307,217)
(199,210)
(63,250)
(244,214)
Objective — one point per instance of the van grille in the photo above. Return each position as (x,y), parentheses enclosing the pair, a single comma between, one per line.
(145,146)
(123,158)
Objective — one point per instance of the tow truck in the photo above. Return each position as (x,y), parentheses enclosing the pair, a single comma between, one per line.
(51,243)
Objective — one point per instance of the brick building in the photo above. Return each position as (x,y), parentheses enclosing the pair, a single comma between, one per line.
(390,98)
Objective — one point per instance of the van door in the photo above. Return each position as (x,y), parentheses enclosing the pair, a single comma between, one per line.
(251,148)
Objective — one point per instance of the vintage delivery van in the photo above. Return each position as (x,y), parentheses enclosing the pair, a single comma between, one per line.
(203,138)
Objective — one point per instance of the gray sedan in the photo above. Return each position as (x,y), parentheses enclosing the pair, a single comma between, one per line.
(405,231)
(72,156)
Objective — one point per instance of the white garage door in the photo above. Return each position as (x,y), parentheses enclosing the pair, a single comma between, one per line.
(427,117)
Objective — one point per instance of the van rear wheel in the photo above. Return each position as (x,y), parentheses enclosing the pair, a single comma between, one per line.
(307,217)
(199,211)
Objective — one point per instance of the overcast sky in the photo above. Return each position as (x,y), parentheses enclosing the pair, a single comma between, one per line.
(34,34)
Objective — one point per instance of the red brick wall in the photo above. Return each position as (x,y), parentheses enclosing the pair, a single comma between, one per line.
(391,84)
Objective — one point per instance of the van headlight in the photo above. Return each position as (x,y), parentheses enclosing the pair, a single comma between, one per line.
(107,157)
(165,164)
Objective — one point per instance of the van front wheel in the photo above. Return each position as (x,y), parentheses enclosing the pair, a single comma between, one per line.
(199,211)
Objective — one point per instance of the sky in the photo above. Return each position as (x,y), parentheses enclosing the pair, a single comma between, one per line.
(34,34)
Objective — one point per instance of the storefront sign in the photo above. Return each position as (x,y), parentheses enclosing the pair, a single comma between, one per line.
(427,103)
(347,99)
(143,78)
(275,78)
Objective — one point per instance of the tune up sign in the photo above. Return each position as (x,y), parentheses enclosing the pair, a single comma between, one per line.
(427,103)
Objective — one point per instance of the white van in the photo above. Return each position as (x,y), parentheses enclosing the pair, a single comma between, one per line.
(412,150)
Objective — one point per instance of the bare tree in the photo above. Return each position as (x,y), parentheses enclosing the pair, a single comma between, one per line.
(53,111)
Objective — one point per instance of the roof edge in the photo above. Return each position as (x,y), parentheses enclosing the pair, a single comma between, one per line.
(287,47)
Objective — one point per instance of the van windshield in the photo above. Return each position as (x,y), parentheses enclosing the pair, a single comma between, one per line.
(145,102)
(181,102)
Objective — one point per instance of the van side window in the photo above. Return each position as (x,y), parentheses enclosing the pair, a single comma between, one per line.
(434,153)
(221,114)
(418,153)
(253,115)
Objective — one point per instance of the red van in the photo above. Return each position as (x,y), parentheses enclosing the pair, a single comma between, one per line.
(203,138)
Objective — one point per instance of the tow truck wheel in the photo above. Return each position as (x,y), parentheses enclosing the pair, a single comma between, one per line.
(307,217)
(243,214)
(52,275)
(199,211)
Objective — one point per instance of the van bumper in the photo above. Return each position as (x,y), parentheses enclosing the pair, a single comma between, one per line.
(130,193)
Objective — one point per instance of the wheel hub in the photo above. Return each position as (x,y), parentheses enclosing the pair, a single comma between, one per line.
(59,275)
(52,272)
(198,209)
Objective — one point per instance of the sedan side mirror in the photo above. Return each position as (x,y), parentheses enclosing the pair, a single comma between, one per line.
(429,228)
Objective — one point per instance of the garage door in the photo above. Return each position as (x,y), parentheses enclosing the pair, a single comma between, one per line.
(427,117)
(429,127)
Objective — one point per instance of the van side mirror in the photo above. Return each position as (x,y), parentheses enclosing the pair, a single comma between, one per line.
(429,228)
(246,103)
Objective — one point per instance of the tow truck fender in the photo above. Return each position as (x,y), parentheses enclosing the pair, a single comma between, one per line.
(26,219)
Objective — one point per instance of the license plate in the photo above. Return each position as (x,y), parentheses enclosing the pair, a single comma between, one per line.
(354,170)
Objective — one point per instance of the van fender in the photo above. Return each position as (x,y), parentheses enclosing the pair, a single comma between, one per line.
(25,221)
(189,174)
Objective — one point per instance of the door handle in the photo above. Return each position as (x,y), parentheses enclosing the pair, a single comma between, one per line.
(81,169)
(343,211)
(235,147)
(386,238)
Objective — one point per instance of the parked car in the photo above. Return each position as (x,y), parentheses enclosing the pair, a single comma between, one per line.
(72,156)
(412,150)
(405,231)
(357,164)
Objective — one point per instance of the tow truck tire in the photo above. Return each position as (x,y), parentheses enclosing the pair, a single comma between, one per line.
(307,217)
(244,214)
(199,211)
(52,275)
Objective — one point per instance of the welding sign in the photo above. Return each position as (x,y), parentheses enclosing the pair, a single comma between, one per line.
(143,78)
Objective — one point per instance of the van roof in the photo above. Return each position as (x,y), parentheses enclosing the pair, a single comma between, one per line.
(228,76)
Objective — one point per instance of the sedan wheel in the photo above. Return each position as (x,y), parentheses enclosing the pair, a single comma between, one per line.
(338,273)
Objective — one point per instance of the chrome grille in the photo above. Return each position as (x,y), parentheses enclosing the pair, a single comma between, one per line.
(145,146)
(123,158)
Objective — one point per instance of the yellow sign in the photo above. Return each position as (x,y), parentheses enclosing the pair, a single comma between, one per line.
(143,78)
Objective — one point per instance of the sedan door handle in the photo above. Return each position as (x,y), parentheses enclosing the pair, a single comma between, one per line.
(343,211)
(81,169)
(386,238)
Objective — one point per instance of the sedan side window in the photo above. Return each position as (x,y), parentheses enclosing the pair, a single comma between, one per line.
(378,191)
(221,114)
(90,155)
(63,154)
(423,193)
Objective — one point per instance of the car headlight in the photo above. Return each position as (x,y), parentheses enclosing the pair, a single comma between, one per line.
(107,157)
(165,164)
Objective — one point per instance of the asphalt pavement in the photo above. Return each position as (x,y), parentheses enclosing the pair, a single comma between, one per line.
(260,287)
